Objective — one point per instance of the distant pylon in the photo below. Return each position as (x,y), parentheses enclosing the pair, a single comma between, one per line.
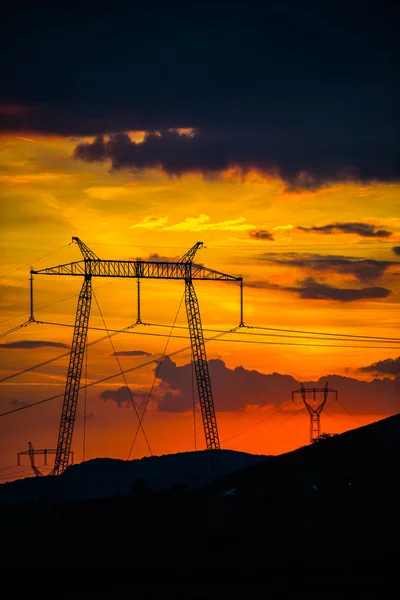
(314,408)
(32,453)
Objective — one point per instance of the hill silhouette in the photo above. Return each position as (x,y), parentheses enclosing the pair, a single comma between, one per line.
(110,477)
(323,518)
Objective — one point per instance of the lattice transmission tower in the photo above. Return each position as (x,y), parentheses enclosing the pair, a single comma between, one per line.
(314,406)
(93,266)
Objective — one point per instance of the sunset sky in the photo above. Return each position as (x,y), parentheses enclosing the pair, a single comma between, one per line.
(269,134)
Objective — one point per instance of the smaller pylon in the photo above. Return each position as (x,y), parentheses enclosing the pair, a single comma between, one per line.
(32,453)
(314,407)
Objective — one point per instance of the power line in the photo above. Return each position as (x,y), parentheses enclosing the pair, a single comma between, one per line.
(271,428)
(256,424)
(354,417)
(155,378)
(123,375)
(365,338)
(194,410)
(5,333)
(228,340)
(54,303)
(108,378)
(125,330)
(85,406)
(351,335)
(32,262)
(64,354)
(251,248)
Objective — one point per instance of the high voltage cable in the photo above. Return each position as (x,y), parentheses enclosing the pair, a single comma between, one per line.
(124,378)
(355,418)
(372,245)
(56,302)
(154,379)
(307,337)
(271,428)
(23,471)
(5,333)
(145,364)
(256,424)
(231,340)
(50,360)
(363,338)
(125,330)
(351,335)
(32,262)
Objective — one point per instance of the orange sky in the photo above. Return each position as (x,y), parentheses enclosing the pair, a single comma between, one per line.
(47,197)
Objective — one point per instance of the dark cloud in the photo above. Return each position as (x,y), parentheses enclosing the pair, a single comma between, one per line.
(389,366)
(211,151)
(309,289)
(261,234)
(122,397)
(131,353)
(363,269)
(312,290)
(309,89)
(234,389)
(158,258)
(32,345)
(16,403)
(362,229)
(396,250)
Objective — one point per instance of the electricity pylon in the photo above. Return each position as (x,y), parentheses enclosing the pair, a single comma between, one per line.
(32,453)
(314,408)
(93,266)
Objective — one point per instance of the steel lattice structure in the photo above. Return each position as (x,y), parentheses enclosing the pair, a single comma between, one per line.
(73,377)
(32,453)
(314,410)
(202,375)
(184,269)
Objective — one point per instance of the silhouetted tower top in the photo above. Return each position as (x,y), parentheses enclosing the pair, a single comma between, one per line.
(92,266)
(314,406)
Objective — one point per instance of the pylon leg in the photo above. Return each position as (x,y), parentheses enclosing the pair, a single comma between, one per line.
(73,377)
(202,376)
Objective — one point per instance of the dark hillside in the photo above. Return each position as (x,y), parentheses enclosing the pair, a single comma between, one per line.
(294,524)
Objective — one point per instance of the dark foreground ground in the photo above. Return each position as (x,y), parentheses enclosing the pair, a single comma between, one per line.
(277,537)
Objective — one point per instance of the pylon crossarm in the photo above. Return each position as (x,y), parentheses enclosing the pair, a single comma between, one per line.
(135,268)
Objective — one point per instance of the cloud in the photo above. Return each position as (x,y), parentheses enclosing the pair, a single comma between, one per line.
(158,258)
(32,345)
(32,178)
(16,403)
(389,366)
(200,223)
(261,234)
(237,388)
(122,397)
(214,151)
(91,414)
(150,223)
(131,353)
(234,388)
(396,250)
(268,83)
(309,289)
(363,269)
(362,229)
(312,290)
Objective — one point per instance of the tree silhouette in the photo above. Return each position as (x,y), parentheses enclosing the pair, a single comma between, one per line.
(323,436)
